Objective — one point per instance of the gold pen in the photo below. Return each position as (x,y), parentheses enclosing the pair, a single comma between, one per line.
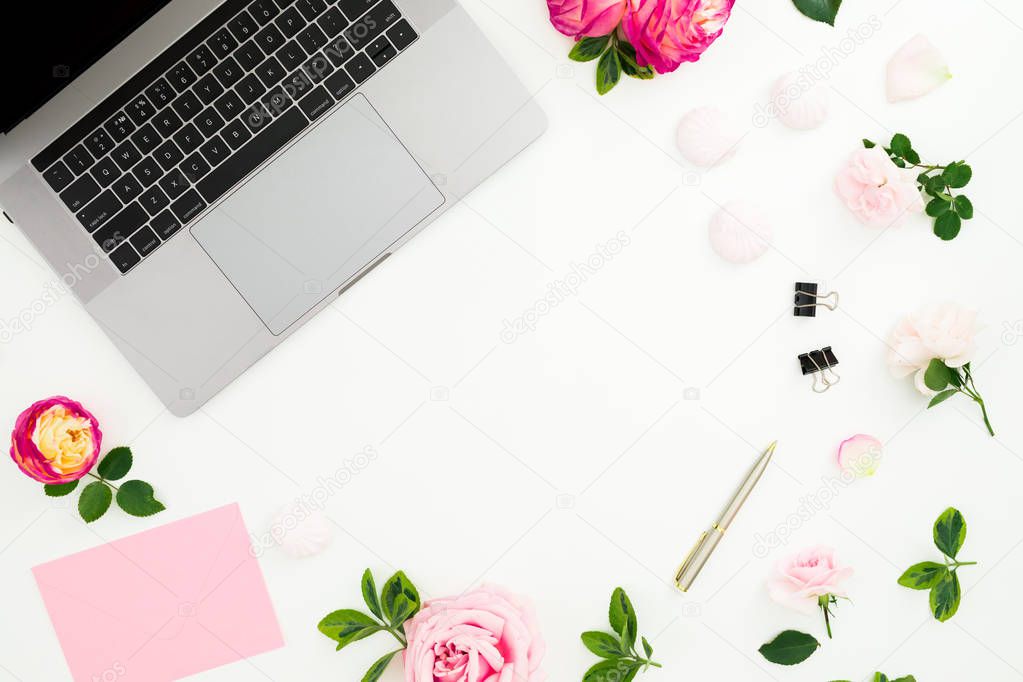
(708,542)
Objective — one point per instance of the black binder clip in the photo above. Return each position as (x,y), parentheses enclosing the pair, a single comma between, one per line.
(821,364)
(807,300)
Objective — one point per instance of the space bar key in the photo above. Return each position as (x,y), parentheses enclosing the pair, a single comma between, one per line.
(256,151)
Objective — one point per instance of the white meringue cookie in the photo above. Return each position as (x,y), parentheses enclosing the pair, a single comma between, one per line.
(706,136)
(301,533)
(740,232)
(801,106)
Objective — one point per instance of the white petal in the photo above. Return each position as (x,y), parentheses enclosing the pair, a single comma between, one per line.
(915,70)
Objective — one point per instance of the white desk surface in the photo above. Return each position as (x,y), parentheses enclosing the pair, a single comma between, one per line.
(575,458)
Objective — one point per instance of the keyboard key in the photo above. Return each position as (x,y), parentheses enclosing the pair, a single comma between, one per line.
(168,155)
(126,155)
(318,68)
(140,110)
(166,122)
(249,157)
(360,67)
(290,22)
(189,205)
(79,159)
(105,171)
(145,241)
(147,171)
(160,93)
(270,72)
(236,134)
(243,27)
(146,138)
(402,35)
(229,106)
(339,51)
(187,105)
(99,143)
(165,224)
(311,38)
(249,55)
(119,127)
(332,22)
(339,84)
(263,11)
(208,89)
(316,103)
(99,211)
(126,187)
(256,117)
(202,60)
(250,88)
(181,77)
(80,192)
(209,122)
(125,258)
(228,72)
(353,9)
(222,43)
(188,139)
(154,200)
(58,176)
(372,24)
(291,55)
(215,151)
(383,53)
(174,184)
(194,167)
(297,85)
(310,9)
(276,101)
(120,227)
(270,39)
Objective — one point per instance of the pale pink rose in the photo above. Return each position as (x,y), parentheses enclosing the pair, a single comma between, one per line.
(805,577)
(487,635)
(945,331)
(667,33)
(579,18)
(915,70)
(877,191)
(860,455)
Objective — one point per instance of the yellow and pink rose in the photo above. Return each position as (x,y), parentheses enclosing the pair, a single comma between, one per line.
(56,441)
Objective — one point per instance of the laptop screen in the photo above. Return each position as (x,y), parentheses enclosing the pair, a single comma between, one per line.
(56,43)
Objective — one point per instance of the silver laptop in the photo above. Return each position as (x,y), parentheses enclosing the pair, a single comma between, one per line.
(207,176)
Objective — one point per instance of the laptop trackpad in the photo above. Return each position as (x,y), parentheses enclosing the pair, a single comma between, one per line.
(317,215)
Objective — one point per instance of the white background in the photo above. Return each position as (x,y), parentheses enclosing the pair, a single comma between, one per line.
(478,440)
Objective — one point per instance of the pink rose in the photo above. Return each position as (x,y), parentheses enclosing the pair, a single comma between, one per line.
(947,332)
(666,33)
(578,18)
(486,635)
(877,191)
(56,441)
(804,578)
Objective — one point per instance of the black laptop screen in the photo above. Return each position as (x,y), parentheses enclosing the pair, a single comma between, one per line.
(47,44)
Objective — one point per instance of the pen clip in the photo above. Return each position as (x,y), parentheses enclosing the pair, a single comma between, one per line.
(689,557)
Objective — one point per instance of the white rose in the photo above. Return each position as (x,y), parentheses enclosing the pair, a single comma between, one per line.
(945,331)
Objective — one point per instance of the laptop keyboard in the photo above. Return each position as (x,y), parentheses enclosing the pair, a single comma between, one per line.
(209,110)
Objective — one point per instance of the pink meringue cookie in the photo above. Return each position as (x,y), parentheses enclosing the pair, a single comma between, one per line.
(740,232)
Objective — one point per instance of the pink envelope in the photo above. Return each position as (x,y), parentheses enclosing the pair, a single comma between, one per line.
(161,605)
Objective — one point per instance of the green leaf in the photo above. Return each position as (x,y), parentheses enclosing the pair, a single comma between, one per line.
(347,626)
(950,532)
(630,65)
(938,206)
(957,175)
(789,648)
(941,397)
(868,144)
(603,644)
(647,649)
(136,498)
(945,597)
(377,669)
(880,677)
(116,464)
(912,156)
(963,206)
(94,501)
(400,599)
(614,670)
(935,185)
(923,576)
(937,376)
(824,11)
(947,226)
(623,618)
(369,594)
(901,145)
(60,489)
(907,678)
(609,71)
(588,49)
